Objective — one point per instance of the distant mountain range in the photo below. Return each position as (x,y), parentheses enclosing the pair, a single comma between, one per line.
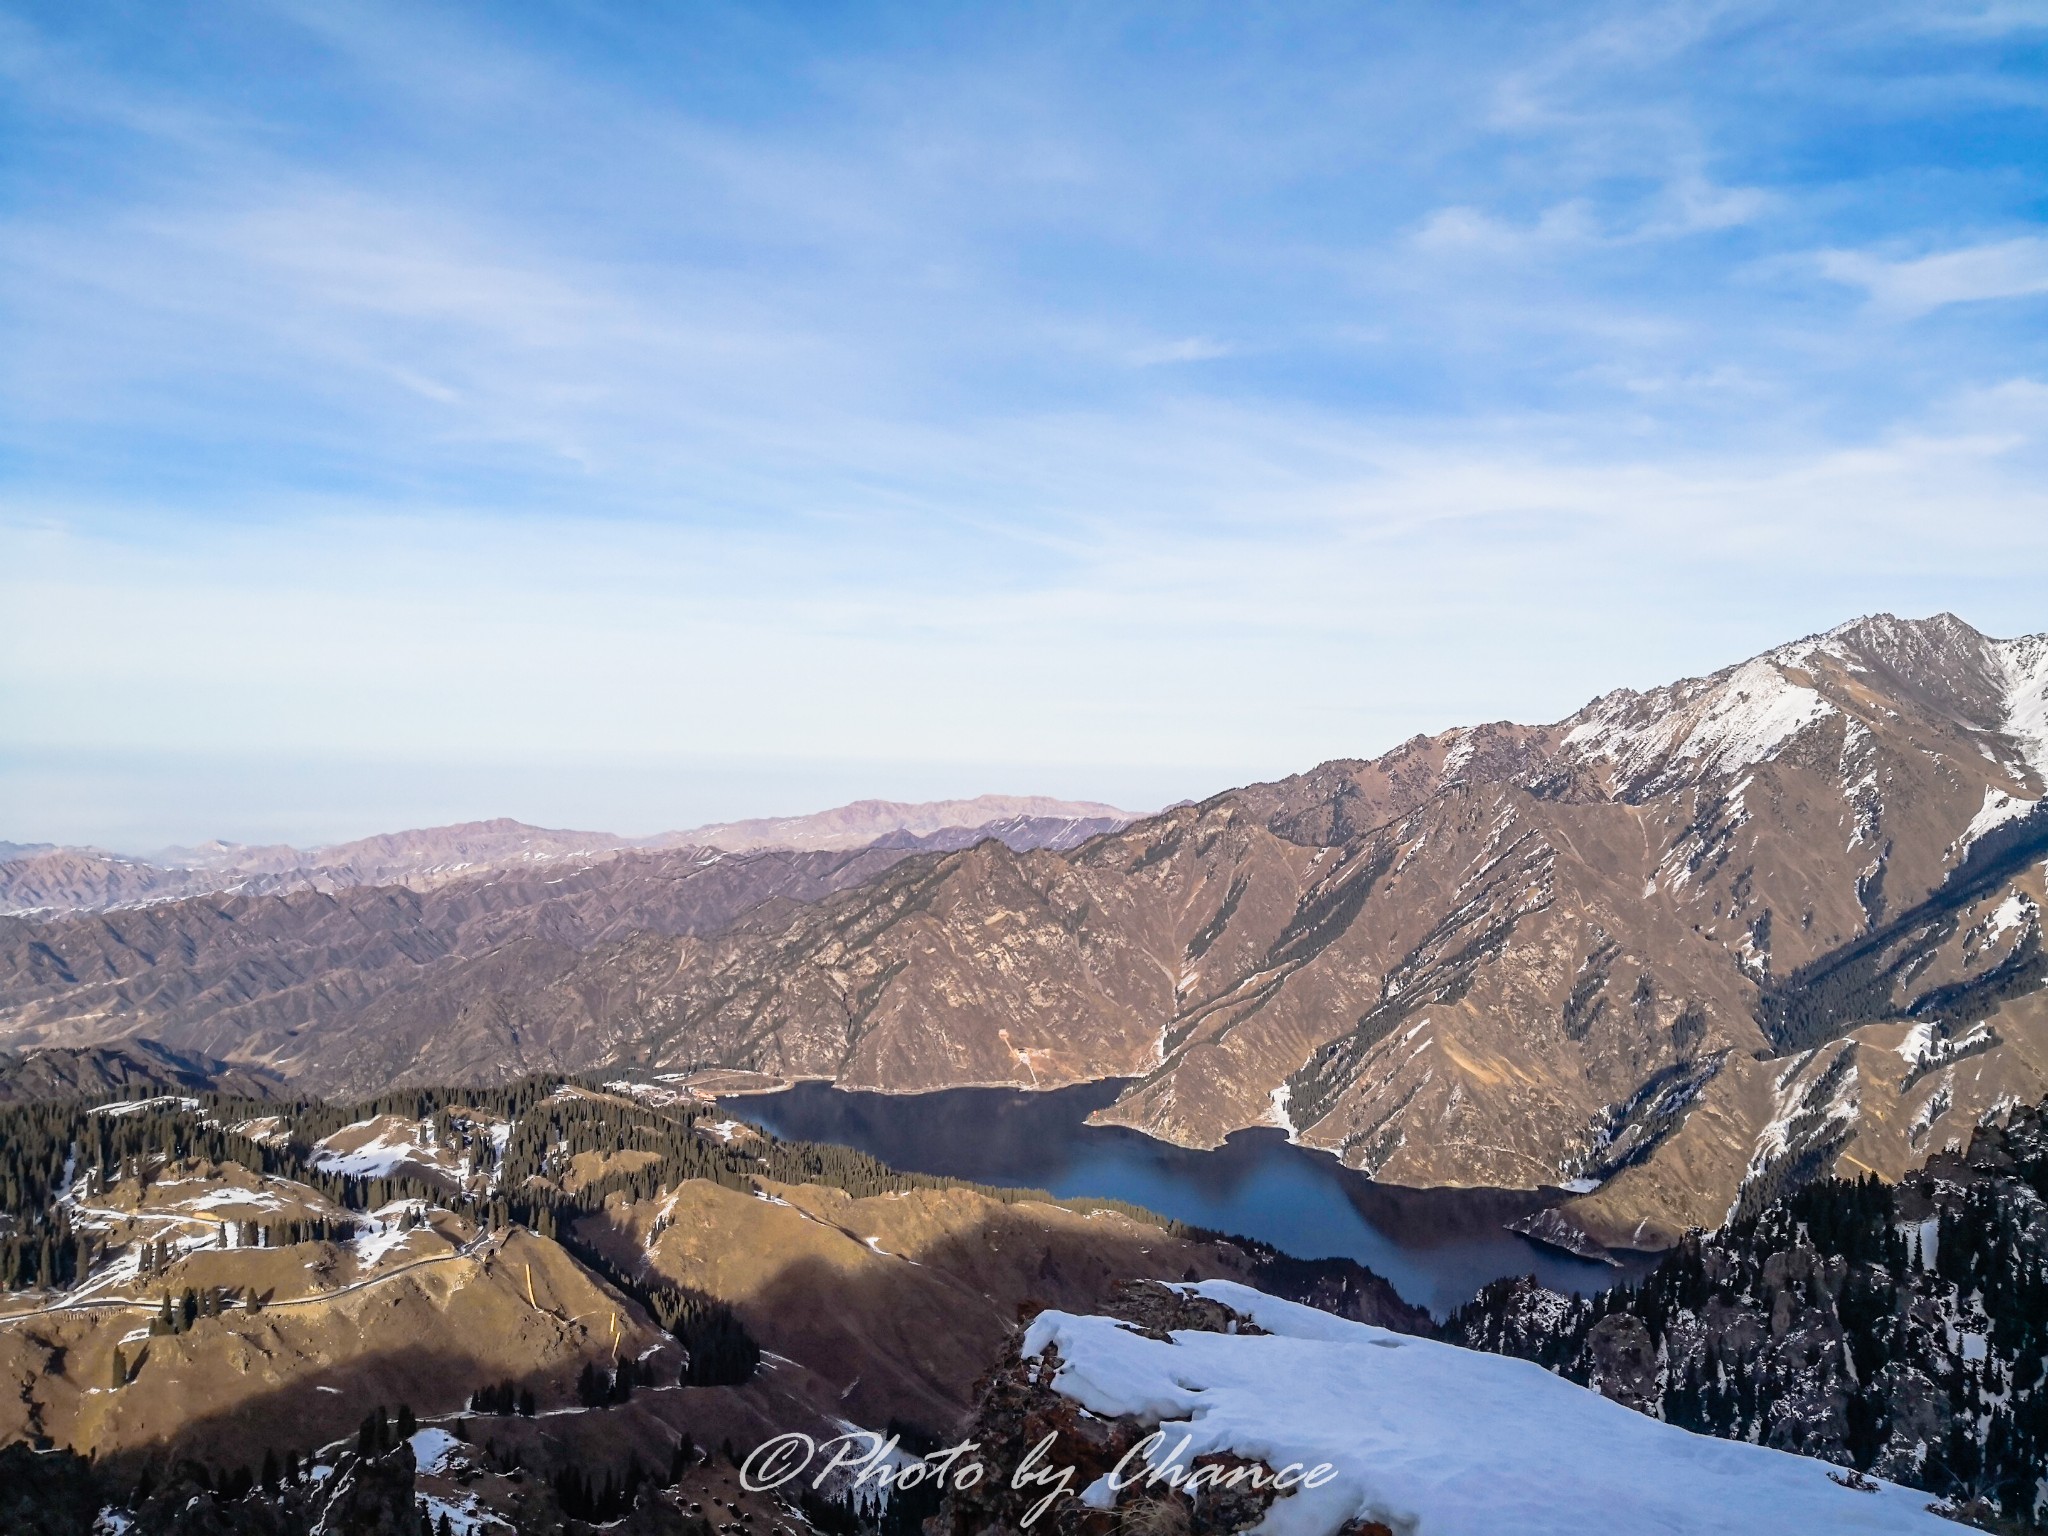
(1022,821)
(46,878)
(1679,951)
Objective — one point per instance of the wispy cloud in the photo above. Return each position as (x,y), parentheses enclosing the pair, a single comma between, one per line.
(1688,205)
(1464,229)
(1188,349)
(2005,269)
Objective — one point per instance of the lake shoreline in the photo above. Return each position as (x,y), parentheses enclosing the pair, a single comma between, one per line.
(1438,1246)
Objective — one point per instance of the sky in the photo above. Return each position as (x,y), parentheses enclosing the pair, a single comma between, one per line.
(629,416)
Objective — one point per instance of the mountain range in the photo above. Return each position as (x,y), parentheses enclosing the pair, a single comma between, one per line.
(47,878)
(1677,952)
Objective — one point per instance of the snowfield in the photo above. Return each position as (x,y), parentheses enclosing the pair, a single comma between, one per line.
(1433,1440)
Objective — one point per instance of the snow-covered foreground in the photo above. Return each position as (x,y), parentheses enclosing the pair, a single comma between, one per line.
(1434,1440)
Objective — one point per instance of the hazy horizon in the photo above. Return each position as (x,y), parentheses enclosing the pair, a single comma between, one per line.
(152,806)
(317,803)
(623,419)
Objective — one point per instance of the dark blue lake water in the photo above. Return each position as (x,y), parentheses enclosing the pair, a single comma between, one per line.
(1438,1246)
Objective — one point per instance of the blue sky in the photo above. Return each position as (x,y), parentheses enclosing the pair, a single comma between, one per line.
(629,416)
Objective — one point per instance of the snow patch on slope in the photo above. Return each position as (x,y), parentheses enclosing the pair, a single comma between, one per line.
(1278,1113)
(1717,727)
(2024,665)
(432,1447)
(382,1233)
(1440,1441)
(2016,911)
(375,1149)
(1998,808)
(126,1107)
(1915,1047)
(1924,1048)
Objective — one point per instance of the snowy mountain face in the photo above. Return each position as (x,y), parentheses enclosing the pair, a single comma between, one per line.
(1749,714)
(1375,1432)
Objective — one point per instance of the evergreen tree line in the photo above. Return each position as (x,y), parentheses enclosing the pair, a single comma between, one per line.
(583,1498)
(503,1400)
(379,1433)
(40,1141)
(45,1252)
(720,1351)
(558,1127)
(1868,977)
(904,1515)
(1823,1324)
(176,1317)
(597,1387)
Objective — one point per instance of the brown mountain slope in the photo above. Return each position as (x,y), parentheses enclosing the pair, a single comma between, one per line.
(129,1070)
(901,1301)
(245,976)
(1685,945)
